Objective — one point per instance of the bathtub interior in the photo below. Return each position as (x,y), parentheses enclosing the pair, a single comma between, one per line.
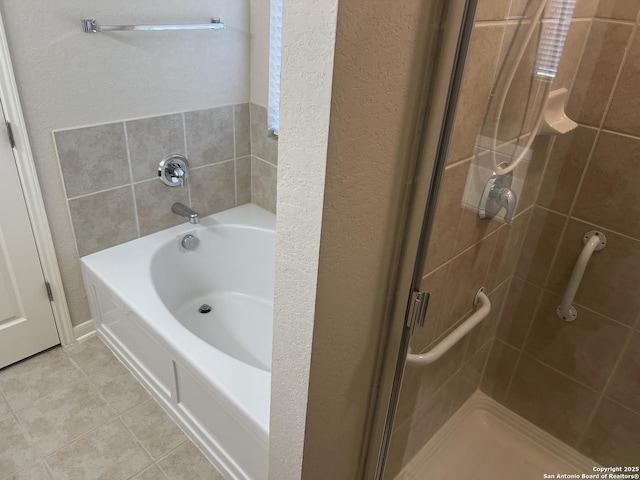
(231,271)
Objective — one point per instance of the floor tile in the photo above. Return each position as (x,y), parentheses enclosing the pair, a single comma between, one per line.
(61,417)
(4,407)
(108,453)
(15,451)
(35,472)
(31,379)
(187,463)
(90,355)
(117,385)
(152,473)
(154,429)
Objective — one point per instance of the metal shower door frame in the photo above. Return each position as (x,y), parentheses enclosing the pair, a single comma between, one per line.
(444,82)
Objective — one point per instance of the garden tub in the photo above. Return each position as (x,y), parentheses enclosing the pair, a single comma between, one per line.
(195,326)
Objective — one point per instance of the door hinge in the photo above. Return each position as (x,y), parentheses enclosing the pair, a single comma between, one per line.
(417,310)
(12,140)
(49,291)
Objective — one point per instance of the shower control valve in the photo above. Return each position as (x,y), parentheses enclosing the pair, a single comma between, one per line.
(172,170)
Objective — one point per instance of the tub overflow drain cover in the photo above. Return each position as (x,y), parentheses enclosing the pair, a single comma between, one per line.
(204,308)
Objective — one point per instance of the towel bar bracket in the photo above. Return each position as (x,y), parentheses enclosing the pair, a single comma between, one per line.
(600,235)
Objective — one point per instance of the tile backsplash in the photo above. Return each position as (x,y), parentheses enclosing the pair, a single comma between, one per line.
(110,171)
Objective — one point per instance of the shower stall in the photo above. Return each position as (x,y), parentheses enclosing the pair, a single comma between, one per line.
(534,125)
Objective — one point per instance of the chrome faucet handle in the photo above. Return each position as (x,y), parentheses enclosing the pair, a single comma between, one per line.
(497,194)
(172,170)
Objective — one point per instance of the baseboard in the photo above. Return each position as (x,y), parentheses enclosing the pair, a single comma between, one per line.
(84,330)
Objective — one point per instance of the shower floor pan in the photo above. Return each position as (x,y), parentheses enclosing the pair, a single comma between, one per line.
(486,441)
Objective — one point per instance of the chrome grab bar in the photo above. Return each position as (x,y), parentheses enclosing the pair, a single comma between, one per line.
(450,340)
(89,25)
(593,241)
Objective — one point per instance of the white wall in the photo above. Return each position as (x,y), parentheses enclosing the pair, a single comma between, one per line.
(259,13)
(308,40)
(67,78)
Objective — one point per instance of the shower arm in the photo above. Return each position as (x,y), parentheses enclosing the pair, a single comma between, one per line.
(454,337)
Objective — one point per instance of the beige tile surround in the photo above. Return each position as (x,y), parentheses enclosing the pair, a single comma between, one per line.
(110,171)
(78,414)
(523,338)
(589,367)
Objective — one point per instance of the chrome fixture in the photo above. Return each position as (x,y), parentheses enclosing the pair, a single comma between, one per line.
(172,170)
(89,25)
(184,211)
(190,242)
(204,308)
(497,194)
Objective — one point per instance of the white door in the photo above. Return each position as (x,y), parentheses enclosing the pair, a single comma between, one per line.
(27,325)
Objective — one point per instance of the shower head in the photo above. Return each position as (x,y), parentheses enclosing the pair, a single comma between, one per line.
(554,34)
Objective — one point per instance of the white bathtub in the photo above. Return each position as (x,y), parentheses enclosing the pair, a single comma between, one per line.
(211,371)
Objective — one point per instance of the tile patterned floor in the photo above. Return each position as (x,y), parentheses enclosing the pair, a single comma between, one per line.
(78,414)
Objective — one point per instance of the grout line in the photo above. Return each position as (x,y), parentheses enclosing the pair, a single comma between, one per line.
(556,294)
(251,154)
(265,161)
(612,373)
(543,174)
(560,372)
(475,244)
(583,49)
(200,167)
(521,350)
(146,117)
(614,87)
(620,134)
(133,190)
(441,388)
(101,191)
(186,154)
(66,196)
(617,21)
(235,159)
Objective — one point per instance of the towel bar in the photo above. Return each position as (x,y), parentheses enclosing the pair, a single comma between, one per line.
(89,25)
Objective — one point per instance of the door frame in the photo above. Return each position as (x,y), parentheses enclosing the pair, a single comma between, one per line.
(440,107)
(31,190)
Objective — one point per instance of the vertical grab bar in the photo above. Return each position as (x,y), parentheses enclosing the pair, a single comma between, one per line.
(593,241)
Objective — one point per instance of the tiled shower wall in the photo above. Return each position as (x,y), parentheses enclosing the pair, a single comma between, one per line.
(111,180)
(466,253)
(580,381)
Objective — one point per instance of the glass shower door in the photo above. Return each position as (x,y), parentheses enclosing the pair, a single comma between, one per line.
(542,155)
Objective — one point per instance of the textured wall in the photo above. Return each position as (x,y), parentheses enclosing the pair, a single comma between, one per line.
(589,368)
(307,67)
(378,75)
(70,79)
